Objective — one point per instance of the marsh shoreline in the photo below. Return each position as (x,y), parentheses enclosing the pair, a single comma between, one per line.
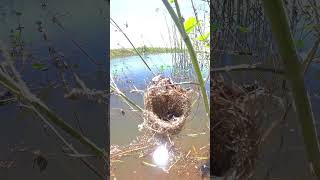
(127,52)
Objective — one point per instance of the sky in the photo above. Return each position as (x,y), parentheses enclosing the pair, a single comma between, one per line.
(147,21)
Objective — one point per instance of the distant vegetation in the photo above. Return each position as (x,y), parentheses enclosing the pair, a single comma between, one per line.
(125,52)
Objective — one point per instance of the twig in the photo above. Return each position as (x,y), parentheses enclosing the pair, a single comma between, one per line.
(128,151)
(175,84)
(114,88)
(78,122)
(275,124)
(310,56)
(116,25)
(167,170)
(247,67)
(56,21)
(90,166)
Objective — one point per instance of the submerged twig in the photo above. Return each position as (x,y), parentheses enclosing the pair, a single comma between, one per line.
(90,166)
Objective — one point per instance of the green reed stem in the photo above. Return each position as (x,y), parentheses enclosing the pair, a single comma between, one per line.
(274,10)
(192,53)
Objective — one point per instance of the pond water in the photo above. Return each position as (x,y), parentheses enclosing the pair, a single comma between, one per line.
(130,72)
(21,133)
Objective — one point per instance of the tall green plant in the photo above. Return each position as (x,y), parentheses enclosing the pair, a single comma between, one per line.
(193,56)
(274,10)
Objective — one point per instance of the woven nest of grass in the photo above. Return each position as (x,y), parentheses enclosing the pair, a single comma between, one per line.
(167,106)
(234,130)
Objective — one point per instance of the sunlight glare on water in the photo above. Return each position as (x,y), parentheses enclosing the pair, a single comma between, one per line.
(161,156)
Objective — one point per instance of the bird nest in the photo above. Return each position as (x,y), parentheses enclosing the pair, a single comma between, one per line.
(234,130)
(167,106)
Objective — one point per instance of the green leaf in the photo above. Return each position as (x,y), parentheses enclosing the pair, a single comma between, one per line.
(39,66)
(190,24)
(299,43)
(243,29)
(203,37)
(171,1)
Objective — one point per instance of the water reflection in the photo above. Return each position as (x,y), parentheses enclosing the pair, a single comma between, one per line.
(161,156)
